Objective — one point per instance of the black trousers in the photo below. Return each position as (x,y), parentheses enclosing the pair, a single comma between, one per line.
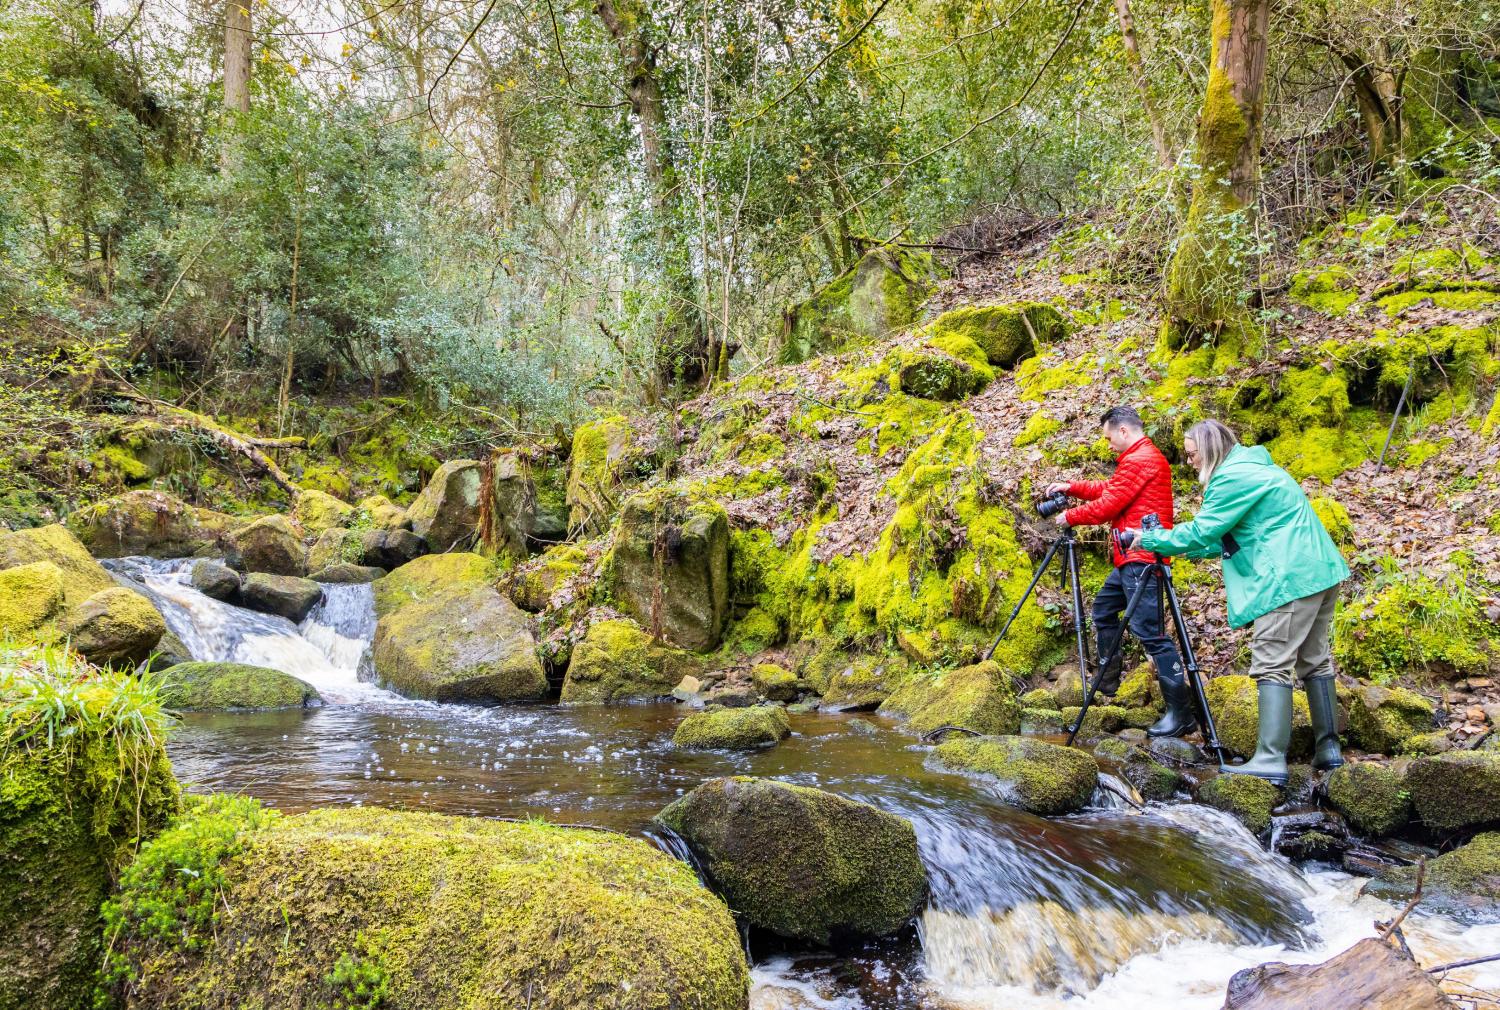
(1146,624)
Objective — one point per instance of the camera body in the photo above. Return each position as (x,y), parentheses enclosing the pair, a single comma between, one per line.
(1051,505)
(1150,521)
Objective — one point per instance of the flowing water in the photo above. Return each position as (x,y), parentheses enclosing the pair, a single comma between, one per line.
(1109,908)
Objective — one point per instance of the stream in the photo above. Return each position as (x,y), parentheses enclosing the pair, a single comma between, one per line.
(1108,908)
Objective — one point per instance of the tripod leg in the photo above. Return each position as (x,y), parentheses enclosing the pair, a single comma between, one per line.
(1190,664)
(1078,621)
(1104,661)
(1041,570)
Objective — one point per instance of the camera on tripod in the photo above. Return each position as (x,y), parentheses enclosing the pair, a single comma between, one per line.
(1150,521)
(1052,504)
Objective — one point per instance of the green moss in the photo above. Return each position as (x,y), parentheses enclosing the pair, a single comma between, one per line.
(448,913)
(978,697)
(535,583)
(30,596)
(600,461)
(774,682)
(1037,427)
(946,369)
(1005,334)
(1463,883)
(1248,798)
(216,687)
(1403,623)
(1036,381)
(1100,718)
(1462,301)
(1330,291)
(1335,519)
(115,625)
(1038,697)
(880,294)
(1041,721)
(752,633)
(1372,797)
(317,511)
(81,576)
(1454,791)
(733,729)
(1235,703)
(1038,777)
(617,661)
(1382,229)
(330,479)
(1381,720)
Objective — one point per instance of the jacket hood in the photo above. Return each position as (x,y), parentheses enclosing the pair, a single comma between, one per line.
(1247,455)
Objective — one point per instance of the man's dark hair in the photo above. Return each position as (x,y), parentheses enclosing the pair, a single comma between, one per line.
(1121,415)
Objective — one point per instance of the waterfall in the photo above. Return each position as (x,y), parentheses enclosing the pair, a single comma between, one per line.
(330,649)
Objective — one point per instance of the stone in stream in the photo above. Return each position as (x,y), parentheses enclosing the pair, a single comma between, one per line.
(283,595)
(152,523)
(733,729)
(978,698)
(344,573)
(1372,796)
(269,545)
(1235,704)
(115,625)
(1153,780)
(1371,975)
(1459,790)
(215,579)
(1464,883)
(1248,798)
(774,682)
(445,633)
(438,912)
(617,661)
(800,862)
(221,687)
(1038,777)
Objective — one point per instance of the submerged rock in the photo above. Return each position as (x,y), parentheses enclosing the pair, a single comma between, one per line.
(442,913)
(1452,791)
(1371,975)
(670,567)
(800,862)
(152,523)
(115,625)
(617,661)
(1371,796)
(1464,883)
(1248,798)
(269,545)
(978,698)
(284,595)
(733,729)
(1037,776)
(215,579)
(445,633)
(217,687)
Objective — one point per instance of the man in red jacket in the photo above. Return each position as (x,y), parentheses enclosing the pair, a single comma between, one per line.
(1140,485)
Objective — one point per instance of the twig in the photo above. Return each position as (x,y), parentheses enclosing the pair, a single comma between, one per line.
(1463,964)
(1390,928)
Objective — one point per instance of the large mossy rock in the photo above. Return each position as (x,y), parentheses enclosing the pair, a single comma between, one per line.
(283,595)
(600,460)
(443,632)
(948,369)
(115,625)
(1248,798)
(1382,719)
(1372,797)
(316,511)
(80,575)
(215,579)
(978,698)
(512,509)
(1235,704)
(733,729)
(269,544)
(152,523)
(670,567)
(69,812)
(1008,333)
(1453,791)
(617,661)
(801,862)
(1463,883)
(383,514)
(223,687)
(441,913)
(879,295)
(534,584)
(1036,776)
(30,596)
(446,513)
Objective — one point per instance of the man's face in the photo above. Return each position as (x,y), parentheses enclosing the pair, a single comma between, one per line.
(1121,436)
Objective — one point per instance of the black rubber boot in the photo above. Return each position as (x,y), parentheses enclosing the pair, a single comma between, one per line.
(1178,720)
(1109,681)
(1275,735)
(1323,704)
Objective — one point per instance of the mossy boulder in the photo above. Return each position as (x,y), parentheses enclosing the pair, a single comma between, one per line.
(1039,697)
(446,513)
(535,582)
(879,295)
(1464,883)
(1152,779)
(215,579)
(443,632)
(443,913)
(800,862)
(269,544)
(669,568)
(283,595)
(512,507)
(1235,703)
(954,371)
(1098,719)
(1036,776)
(978,697)
(221,687)
(116,625)
(81,576)
(733,729)
(854,682)
(1372,797)
(1382,719)
(383,514)
(1040,721)
(1248,798)
(72,805)
(1006,333)
(30,596)
(1456,790)
(602,458)
(617,661)
(344,573)
(316,511)
(153,523)
(774,682)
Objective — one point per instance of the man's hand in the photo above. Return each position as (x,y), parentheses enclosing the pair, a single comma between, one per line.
(1057,487)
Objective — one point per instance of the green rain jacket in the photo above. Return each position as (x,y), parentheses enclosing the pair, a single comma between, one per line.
(1256,517)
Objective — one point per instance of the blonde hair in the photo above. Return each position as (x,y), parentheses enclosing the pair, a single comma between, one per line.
(1214,440)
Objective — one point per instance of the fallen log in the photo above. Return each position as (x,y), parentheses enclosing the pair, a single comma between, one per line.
(1371,975)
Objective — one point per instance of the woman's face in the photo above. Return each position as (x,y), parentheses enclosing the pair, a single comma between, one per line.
(1190,450)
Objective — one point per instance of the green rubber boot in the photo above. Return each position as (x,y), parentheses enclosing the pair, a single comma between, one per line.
(1323,704)
(1275,735)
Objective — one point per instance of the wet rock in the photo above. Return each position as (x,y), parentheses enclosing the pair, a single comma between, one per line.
(1151,779)
(215,579)
(344,573)
(549,528)
(733,729)
(1099,719)
(169,652)
(390,549)
(1464,883)
(1039,777)
(1038,697)
(222,687)
(445,633)
(1235,704)
(1134,734)
(1371,975)
(1309,833)
(617,661)
(669,568)
(115,625)
(1248,798)
(800,862)
(1459,790)
(446,513)
(31,595)
(522,913)
(1040,721)
(1176,751)
(1372,796)
(152,523)
(1428,744)
(863,727)
(1381,719)
(80,576)
(854,683)
(733,696)
(774,682)
(317,511)
(978,698)
(687,688)
(270,545)
(283,595)
(1139,689)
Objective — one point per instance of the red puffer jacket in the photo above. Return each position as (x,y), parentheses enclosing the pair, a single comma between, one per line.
(1140,485)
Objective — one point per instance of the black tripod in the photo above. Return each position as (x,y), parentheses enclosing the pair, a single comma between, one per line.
(1159,574)
(1068,542)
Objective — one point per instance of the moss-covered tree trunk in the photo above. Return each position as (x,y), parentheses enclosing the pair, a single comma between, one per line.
(1206,276)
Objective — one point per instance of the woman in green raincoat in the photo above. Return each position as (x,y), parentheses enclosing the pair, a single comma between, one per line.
(1281,574)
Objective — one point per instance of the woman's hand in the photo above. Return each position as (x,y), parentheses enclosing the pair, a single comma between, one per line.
(1129,538)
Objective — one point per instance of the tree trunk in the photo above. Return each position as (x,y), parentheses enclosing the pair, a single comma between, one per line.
(1206,276)
(237,56)
(1142,85)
